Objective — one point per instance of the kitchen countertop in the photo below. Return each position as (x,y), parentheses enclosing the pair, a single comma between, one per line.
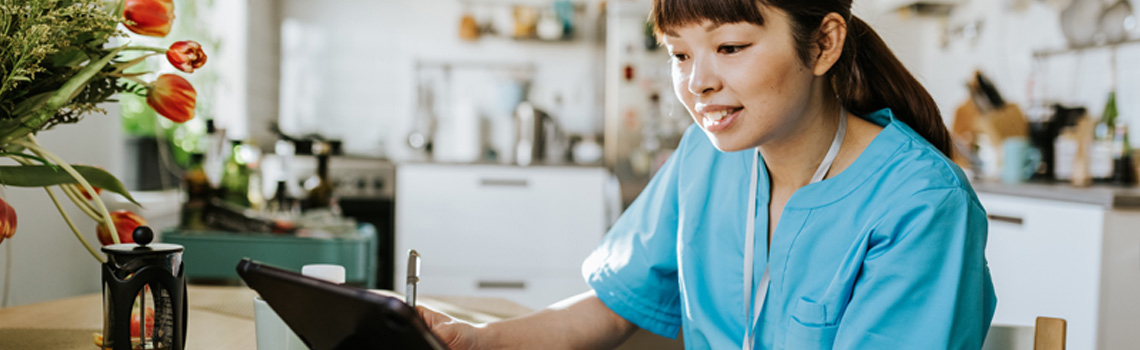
(506,165)
(1109,197)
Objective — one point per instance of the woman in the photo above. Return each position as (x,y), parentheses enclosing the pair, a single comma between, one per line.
(812,206)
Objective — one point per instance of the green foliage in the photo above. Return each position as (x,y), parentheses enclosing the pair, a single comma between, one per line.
(51,175)
(43,44)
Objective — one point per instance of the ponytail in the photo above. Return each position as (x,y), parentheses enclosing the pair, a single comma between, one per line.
(868,77)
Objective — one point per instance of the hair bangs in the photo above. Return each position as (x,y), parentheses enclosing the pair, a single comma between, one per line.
(668,15)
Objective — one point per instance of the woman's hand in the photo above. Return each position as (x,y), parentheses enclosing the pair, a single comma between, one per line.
(458,335)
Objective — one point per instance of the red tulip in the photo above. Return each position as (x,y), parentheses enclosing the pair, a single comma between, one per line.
(137,321)
(86,194)
(173,97)
(149,17)
(7,220)
(125,224)
(186,55)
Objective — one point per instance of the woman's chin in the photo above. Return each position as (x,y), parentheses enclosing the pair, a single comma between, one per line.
(728,146)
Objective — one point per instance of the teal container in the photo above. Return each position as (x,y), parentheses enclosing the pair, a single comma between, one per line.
(213,255)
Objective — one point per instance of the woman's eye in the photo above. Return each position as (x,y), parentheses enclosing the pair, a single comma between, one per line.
(680,57)
(731,49)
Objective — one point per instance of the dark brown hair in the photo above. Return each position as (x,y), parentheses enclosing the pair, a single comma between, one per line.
(867,77)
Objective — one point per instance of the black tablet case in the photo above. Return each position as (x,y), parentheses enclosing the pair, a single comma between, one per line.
(326,315)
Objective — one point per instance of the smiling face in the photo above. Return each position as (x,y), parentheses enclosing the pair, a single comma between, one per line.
(743,83)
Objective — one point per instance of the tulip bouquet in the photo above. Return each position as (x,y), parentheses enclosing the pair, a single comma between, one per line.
(57,64)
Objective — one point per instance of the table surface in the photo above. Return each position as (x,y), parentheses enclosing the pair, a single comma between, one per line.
(219,318)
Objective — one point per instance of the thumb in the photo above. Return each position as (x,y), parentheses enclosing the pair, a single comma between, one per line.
(431,317)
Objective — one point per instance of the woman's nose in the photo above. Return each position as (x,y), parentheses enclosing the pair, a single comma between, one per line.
(704,78)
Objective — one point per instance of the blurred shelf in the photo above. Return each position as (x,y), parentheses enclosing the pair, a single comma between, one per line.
(1078,49)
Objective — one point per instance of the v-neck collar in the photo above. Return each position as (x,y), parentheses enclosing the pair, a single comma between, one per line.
(832,189)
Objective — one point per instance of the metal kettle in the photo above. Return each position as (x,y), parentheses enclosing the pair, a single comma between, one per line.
(537,134)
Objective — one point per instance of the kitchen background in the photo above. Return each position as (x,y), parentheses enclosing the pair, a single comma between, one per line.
(393,79)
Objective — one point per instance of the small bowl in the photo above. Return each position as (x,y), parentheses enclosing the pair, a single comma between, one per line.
(1117,21)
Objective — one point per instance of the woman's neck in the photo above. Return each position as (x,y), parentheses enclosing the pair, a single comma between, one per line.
(794,158)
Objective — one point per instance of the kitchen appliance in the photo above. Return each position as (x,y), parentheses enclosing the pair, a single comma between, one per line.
(1043,133)
(366,191)
(466,110)
(152,275)
(539,138)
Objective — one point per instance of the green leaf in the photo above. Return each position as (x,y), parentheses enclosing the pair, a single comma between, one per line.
(28,156)
(31,103)
(70,58)
(44,176)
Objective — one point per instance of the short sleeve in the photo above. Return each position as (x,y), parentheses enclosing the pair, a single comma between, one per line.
(924,283)
(634,269)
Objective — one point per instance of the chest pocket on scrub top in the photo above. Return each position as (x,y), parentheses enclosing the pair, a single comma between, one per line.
(808,328)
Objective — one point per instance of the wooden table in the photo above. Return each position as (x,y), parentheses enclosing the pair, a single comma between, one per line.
(220,318)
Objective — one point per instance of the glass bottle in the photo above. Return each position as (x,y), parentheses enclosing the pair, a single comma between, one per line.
(1103,152)
(197,187)
(1124,173)
(213,163)
(235,177)
(319,187)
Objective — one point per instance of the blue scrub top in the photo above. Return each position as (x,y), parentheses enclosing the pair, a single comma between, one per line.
(888,254)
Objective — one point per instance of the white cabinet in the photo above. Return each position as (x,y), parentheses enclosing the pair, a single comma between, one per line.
(520,233)
(1080,262)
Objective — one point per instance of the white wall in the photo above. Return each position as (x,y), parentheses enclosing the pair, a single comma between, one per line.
(46,260)
(358,57)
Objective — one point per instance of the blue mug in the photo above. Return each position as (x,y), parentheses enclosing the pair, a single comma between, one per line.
(1019,160)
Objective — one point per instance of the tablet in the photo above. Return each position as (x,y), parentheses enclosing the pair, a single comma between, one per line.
(326,315)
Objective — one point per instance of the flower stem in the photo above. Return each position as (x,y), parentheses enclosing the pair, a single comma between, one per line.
(137,80)
(120,67)
(71,225)
(42,152)
(145,48)
(72,193)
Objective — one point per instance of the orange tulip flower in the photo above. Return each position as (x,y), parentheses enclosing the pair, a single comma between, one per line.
(173,97)
(125,224)
(149,17)
(186,55)
(7,221)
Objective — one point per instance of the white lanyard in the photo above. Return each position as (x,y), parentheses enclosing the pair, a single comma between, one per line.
(753,308)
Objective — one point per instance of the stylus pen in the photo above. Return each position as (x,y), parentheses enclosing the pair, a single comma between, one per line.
(413,276)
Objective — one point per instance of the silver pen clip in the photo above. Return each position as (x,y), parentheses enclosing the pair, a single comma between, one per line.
(413,276)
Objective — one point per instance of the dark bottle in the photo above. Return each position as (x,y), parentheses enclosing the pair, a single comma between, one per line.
(282,205)
(197,187)
(235,178)
(1124,172)
(320,188)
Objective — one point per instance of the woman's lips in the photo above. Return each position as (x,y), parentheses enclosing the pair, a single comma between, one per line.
(722,124)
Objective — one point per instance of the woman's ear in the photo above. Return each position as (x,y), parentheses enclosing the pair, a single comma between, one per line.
(829,43)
